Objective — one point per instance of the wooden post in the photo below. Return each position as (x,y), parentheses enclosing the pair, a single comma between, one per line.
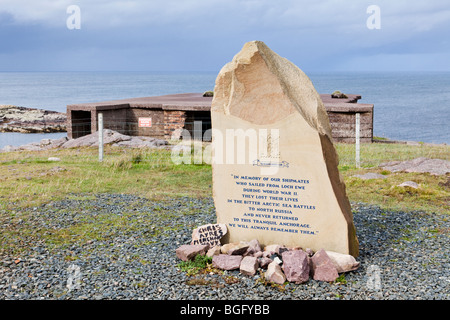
(357,146)
(100,137)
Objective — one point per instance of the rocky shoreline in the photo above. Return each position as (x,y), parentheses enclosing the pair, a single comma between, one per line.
(31,120)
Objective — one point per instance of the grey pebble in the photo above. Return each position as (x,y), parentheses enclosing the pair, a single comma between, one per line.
(401,256)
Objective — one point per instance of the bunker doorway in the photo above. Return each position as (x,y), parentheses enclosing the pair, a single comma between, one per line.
(81,123)
(197,123)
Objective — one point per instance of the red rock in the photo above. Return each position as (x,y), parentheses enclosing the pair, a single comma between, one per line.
(264,262)
(254,247)
(226,261)
(213,251)
(272,248)
(323,268)
(275,274)
(238,251)
(258,254)
(296,266)
(188,252)
(227,247)
(235,248)
(249,265)
(343,262)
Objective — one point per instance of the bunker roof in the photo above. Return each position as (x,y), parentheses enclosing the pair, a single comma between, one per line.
(196,102)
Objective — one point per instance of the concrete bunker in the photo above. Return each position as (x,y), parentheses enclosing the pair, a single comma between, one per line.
(166,116)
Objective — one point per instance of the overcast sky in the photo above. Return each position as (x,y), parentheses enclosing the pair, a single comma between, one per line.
(203,35)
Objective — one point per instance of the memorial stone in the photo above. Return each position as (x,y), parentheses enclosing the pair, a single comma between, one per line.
(275,174)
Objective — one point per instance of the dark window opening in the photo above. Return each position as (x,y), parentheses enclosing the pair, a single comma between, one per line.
(197,123)
(81,123)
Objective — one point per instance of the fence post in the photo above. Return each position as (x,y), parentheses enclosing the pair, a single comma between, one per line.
(100,137)
(357,134)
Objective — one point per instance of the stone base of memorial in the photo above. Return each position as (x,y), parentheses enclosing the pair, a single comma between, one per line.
(277,263)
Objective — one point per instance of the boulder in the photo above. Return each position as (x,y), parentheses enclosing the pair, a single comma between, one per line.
(258,254)
(410,184)
(91,140)
(276,258)
(274,273)
(227,247)
(422,165)
(226,262)
(236,249)
(254,247)
(53,143)
(343,262)
(239,250)
(309,252)
(213,251)
(296,266)
(188,252)
(323,268)
(369,175)
(249,265)
(140,142)
(264,262)
(272,248)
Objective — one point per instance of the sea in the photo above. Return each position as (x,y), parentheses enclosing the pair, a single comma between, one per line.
(412,106)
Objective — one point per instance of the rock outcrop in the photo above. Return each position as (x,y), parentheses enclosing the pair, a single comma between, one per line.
(30,120)
(111,137)
(421,165)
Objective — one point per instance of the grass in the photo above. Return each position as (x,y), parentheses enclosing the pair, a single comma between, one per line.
(374,154)
(193,267)
(28,179)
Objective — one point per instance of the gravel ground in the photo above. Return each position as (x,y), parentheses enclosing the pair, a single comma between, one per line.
(128,252)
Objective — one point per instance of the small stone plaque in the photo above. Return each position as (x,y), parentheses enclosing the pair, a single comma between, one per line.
(209,234)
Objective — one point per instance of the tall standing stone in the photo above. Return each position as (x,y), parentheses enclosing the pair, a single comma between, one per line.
(275,175)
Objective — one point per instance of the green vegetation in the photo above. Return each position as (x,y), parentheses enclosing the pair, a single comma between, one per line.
(28,179)
(193,267)
(338,94)
(433,194)
(341,279)
(264,282)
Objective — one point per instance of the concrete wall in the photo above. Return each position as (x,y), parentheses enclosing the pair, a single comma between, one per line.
(342,118)
(174,123)
(158,122)
(343,125)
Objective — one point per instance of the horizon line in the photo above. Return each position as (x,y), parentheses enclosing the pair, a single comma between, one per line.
(211,71)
